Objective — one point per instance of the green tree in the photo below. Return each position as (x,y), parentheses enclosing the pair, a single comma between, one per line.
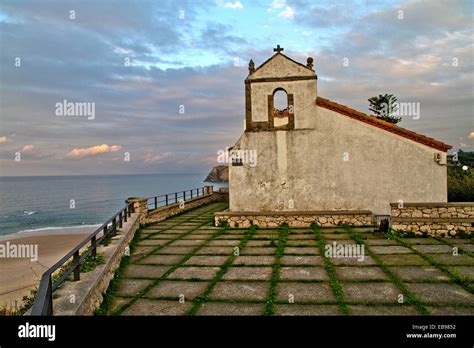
(460,184)
(384,106)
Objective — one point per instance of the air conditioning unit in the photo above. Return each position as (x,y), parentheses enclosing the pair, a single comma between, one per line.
(440,158)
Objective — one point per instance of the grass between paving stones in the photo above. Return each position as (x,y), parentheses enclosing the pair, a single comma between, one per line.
(455,276)
(115,282)
(200,300)
(152,251)
(270,300)
(407,294)
(335,283)
(454,245)
(155,282)
(201,216)
(191,218)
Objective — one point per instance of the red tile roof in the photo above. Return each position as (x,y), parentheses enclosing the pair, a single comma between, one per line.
(387,126)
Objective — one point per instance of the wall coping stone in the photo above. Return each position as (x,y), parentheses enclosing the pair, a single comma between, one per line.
(135,199)
(433,219)
(433,204)
(293,213)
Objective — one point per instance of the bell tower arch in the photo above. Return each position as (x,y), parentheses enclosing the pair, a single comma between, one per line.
(280,75)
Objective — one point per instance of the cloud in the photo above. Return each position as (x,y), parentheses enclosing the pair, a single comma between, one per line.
(150,158)
(234,5)
(287,13)
(93,150)
(276,4)
(27,148)
(190,62)
(471,135)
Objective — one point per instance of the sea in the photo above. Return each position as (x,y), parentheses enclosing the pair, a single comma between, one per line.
(40,203)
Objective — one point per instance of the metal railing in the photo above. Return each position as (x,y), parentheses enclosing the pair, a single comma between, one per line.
(175,197)
(43,304)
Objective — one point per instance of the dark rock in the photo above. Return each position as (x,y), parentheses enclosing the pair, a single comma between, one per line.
(218,174)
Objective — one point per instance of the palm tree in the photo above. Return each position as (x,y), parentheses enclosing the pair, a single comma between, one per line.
(384,106)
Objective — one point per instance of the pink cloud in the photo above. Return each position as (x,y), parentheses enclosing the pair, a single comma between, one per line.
(93,151)
(27,148)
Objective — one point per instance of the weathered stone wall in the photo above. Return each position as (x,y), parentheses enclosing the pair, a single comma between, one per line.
(294,219)
(433,210)
(326,168)
(322,164)
(163,213)
(84,296)
(140,206)
(222,195)
(443,219)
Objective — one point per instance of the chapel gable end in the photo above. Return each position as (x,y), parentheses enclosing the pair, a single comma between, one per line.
(276,93)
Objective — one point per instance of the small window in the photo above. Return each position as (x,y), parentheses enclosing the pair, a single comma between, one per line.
(237,161)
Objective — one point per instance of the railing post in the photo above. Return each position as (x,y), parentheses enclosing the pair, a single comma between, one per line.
(176,197)
(208,190)
(126,213)
(94,246)
(114,226)
(184,196)
(49,297)
(106,239)
(191,194)
(120,220)
(166,199)
(156,202)
(43,304)
(77,269)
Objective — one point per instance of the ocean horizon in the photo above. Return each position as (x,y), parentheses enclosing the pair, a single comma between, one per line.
(41,203)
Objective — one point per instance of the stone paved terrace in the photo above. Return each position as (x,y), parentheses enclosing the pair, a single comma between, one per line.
(185,266)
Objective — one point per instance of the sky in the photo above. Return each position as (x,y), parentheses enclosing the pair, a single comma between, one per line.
(164,80)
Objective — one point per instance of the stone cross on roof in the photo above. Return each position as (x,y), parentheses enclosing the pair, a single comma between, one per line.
(278,49)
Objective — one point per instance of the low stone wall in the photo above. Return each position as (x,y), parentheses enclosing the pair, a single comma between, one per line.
(84,296)
(433,210)
(442,219)
(293,219)
(163,213)
(222,195)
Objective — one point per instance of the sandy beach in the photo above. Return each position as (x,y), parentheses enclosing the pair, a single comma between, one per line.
(19,275)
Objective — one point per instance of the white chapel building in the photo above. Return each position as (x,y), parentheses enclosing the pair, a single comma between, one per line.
(314,154)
